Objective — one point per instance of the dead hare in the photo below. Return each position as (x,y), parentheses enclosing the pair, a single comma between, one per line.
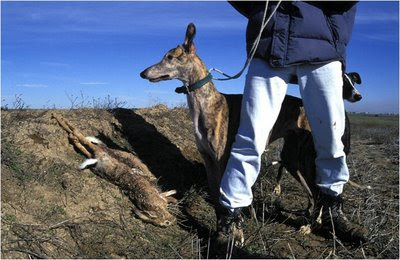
(127,172)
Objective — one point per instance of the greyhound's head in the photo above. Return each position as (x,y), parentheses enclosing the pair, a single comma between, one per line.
(178,63)
(350,93)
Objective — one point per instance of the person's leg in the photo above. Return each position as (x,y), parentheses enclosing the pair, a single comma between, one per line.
(321,90)
(263,95)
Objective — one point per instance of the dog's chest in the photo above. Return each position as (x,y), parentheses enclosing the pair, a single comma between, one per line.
(201,133)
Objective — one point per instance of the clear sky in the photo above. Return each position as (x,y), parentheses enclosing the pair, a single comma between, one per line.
(55,50)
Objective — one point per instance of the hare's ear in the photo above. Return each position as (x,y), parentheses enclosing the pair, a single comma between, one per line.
(188,43)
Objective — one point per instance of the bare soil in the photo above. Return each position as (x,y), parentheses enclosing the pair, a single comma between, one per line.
(51,209)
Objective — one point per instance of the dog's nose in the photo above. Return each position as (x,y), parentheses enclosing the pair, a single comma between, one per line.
(357,97)
(143,74)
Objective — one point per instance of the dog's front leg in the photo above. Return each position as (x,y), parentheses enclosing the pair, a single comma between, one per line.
(213,177)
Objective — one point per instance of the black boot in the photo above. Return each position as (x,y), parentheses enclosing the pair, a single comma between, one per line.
(230,227)
(329,216)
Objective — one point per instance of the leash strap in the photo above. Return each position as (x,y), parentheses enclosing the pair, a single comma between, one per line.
(254,47)
(349,80)
(195,85)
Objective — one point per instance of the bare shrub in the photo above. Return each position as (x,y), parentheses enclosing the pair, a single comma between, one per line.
(18,103)
(84,101)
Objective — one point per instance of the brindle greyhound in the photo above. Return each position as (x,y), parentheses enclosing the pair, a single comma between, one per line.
(215,115)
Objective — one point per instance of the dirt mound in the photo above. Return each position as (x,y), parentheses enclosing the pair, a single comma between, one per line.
(51,209)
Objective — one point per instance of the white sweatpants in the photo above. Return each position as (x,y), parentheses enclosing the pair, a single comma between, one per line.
(265,88)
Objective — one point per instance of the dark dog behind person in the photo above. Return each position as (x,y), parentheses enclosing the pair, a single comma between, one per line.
(304,42)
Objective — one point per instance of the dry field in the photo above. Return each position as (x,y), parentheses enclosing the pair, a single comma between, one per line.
(50,209)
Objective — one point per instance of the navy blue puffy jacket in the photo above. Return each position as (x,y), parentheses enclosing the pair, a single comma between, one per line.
(300,32)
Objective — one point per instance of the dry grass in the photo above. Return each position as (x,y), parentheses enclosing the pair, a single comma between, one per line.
(52,210)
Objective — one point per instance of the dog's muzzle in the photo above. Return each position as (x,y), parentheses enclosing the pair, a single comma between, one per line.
(357,97)
(145,75)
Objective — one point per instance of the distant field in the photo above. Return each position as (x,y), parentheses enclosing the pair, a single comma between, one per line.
(378,129)
(380,120)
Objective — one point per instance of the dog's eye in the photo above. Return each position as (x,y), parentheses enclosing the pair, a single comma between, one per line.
(170,57)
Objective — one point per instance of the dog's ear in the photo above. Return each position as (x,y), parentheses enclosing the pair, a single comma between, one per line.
(355,77)
(188,43)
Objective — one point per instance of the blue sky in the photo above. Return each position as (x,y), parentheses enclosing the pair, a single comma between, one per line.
(55,50)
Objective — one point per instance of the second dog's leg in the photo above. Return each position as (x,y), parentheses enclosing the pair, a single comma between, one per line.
(277,189)
(310,196)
